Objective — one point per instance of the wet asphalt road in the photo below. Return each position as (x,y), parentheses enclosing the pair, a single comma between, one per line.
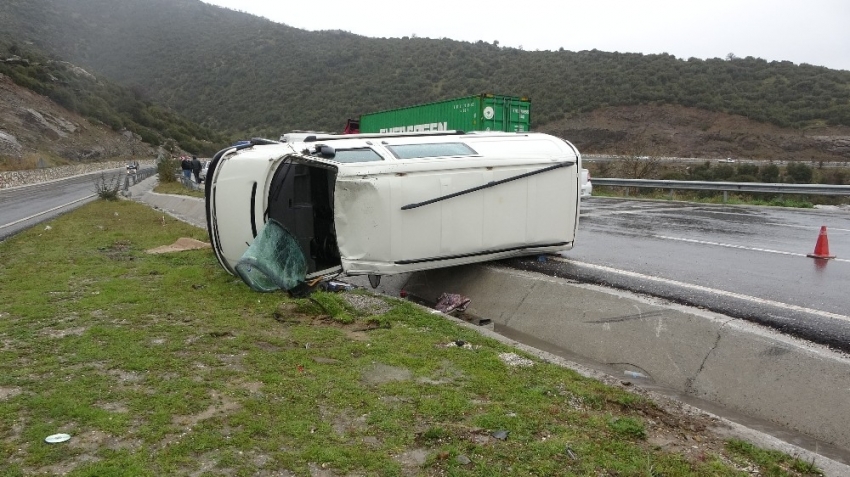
(743,261)
(23,207)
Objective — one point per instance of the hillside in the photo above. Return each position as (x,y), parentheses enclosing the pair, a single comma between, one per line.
(243,75)
(678,131)
(36,132)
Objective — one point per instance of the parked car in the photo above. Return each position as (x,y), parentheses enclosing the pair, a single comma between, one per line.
(586,185)
(380,204)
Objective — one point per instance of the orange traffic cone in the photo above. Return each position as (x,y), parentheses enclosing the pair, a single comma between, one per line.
(822,247)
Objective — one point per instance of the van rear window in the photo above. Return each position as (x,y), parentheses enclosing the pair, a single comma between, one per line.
(414,151)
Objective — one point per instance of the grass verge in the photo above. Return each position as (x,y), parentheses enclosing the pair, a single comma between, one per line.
(178,188)
(165,365)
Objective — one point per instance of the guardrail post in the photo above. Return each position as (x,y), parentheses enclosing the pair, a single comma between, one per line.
(725,196)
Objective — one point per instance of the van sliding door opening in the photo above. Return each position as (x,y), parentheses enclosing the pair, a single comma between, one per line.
(301,199)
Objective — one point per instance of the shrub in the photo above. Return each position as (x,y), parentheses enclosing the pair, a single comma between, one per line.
(834,176)
(108,189)
(798,173)
(769,173)
(168,169)
(723,172)
(748,169)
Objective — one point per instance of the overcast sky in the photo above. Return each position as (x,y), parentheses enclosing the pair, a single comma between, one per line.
(802,31)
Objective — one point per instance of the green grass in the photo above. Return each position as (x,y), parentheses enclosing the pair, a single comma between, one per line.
(166,365)
(178,188)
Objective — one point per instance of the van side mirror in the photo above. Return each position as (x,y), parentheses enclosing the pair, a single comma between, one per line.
(326,151)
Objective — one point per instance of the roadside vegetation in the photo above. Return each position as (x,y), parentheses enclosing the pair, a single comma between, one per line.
(650,167)
(163,364)
(179,188)
(771,200)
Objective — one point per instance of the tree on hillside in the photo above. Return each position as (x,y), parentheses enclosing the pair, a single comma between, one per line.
(640,158)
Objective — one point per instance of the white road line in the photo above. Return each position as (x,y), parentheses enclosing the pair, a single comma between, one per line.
(742,247)
(46,211)
(815,229)
(760,301)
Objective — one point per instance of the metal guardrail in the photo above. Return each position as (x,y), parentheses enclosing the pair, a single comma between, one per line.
(726,187)
(138,176)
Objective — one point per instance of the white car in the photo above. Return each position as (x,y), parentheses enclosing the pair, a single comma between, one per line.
(380,204)
(586,185)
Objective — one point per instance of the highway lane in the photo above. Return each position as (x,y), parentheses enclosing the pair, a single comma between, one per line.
(23,207)
(743,261)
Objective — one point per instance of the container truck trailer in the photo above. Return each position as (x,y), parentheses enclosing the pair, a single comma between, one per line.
(482,112)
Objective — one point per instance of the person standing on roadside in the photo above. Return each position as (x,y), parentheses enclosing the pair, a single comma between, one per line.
(186,167)
(196,169)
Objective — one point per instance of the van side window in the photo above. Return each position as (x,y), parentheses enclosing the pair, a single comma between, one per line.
(414,151)
(356,155)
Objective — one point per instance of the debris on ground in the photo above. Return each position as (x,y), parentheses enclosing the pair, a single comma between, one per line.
(452,302)
(182,244)
(336,286)
(513,359)
(461,344)
(56,438)
(367,303)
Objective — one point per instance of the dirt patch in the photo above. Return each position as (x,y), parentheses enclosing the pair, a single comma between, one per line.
(8,393)
(381,373)
(366,304)
(182,244)
(223,406)
(344,421)
(412,460)
(291,314)
(63,333)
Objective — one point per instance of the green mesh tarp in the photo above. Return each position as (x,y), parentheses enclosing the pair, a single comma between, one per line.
(274,261)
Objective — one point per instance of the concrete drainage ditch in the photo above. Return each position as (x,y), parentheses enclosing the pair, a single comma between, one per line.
(738,366)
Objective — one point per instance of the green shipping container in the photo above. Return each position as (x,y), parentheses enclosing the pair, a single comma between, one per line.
(483,112)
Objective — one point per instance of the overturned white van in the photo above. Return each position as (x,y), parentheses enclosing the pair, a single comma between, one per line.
(380,204)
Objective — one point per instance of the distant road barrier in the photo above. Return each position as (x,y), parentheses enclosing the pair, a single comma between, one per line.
(138,176)
(726,187)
